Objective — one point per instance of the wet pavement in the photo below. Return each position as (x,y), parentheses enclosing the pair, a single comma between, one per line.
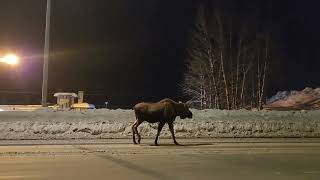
(195,159)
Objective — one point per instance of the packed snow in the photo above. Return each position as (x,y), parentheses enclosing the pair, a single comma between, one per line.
(105,123)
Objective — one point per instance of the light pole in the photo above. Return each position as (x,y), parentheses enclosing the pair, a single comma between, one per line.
(46,56)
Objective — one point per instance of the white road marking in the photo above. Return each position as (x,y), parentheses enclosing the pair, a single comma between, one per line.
(16,177)
(312,172)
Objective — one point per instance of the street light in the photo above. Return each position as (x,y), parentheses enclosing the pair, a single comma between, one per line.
(10,59)
(46,57)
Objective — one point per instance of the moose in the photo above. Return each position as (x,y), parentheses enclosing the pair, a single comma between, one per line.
(164,111)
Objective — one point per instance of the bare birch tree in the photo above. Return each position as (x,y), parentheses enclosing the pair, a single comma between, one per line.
(227,68)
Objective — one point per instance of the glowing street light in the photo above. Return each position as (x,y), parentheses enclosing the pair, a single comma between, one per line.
(10,59)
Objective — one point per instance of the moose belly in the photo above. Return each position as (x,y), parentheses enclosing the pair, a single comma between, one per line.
(155,117)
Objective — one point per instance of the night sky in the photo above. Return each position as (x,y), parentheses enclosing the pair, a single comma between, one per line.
(127,51)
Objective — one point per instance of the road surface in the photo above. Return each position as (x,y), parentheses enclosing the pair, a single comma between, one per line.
(221,159)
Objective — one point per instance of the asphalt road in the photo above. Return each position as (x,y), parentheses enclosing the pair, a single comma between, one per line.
(220,159)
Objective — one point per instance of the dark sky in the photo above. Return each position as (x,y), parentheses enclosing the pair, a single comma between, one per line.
(299,43)
(128,51)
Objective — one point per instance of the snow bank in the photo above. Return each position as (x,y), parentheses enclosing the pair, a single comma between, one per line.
(104,123)
(307,99)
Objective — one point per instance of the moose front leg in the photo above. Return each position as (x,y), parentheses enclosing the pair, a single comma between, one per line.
(160,126)
(172,133)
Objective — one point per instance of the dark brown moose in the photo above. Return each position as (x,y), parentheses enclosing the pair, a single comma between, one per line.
(164,111)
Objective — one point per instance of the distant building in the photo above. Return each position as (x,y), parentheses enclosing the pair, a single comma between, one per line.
(65,100)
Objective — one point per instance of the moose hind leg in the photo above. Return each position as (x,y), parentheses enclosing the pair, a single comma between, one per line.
(136,130)
(134,133)
(172,133)
(160,126)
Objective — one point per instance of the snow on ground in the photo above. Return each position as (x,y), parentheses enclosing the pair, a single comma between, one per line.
(104,123)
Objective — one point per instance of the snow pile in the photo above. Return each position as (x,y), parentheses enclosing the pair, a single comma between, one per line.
(281,95)
(306,99)
(104,123)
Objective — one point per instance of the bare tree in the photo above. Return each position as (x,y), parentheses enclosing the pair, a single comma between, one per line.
(225,67)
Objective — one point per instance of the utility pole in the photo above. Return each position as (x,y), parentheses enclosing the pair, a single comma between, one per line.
(46,56)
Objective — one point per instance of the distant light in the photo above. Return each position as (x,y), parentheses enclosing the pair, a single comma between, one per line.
(10,59)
